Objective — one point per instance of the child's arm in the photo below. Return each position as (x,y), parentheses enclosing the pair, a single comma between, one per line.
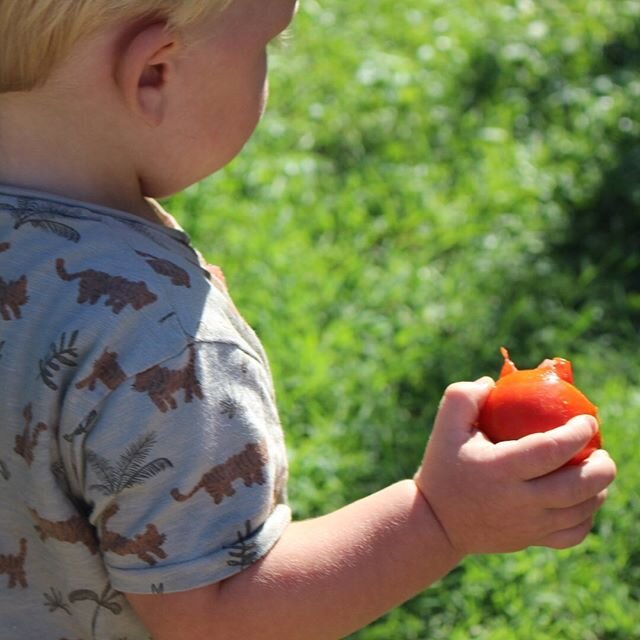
(329,576)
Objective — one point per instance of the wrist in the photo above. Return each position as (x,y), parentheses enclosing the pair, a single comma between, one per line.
(437,522)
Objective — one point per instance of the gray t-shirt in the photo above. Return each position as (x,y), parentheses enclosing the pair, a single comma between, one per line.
(140,446)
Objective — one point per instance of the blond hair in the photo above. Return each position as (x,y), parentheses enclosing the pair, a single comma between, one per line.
(36,35)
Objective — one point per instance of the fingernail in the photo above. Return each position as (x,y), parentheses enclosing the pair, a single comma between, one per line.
(485,381)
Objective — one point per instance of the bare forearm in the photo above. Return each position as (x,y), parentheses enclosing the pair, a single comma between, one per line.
(327,577)
(330,576)
(324,579)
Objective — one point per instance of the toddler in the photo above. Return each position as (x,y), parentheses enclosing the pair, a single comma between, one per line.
(142,464)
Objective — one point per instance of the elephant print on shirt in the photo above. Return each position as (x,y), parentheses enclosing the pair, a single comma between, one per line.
(13,295)
(162,383)
(119,291)
(105,370)
(218,482)
(75,529)
(13,566)
(144,545)
(178,276)
(27,441)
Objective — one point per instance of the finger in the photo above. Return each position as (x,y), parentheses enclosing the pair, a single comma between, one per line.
(460,406)
(567,537)
(538,454)
(562,519)
(574,484)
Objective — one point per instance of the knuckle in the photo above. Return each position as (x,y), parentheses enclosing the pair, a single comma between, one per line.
(607,470)
(460,397)
(596,481)
(574,536)
(556,448)
(500,462)
(578,492)
(588,508)
(457,390)
(570,491)
(548,449)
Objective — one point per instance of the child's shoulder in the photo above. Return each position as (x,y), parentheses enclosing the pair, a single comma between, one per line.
(111,278)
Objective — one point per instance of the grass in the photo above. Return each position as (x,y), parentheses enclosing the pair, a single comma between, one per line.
(432,181)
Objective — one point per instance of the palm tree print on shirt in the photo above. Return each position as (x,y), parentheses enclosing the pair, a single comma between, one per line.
(244,552)
(106,601)
(131,469)
(54,601)
(45,216)
(61,354)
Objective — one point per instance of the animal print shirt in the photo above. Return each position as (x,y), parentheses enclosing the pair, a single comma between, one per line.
(140,447)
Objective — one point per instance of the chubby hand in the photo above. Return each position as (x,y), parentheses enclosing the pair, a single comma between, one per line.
(495,498)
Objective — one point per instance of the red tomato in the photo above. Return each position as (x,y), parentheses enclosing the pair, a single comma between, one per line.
(533,400)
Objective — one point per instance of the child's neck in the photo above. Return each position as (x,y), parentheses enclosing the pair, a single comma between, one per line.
(44,149)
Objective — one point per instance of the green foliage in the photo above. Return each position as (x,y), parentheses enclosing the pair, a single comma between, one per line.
(431,181)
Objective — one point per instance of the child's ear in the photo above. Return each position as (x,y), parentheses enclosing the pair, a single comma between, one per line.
(144,66)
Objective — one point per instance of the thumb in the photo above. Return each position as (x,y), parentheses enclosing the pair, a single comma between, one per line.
(459,408)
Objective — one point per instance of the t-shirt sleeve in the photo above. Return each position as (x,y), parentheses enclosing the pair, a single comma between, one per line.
(185,471)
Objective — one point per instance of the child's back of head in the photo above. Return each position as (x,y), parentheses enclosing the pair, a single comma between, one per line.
(27,61)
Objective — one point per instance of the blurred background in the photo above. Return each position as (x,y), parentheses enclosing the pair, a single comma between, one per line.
(433,180)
